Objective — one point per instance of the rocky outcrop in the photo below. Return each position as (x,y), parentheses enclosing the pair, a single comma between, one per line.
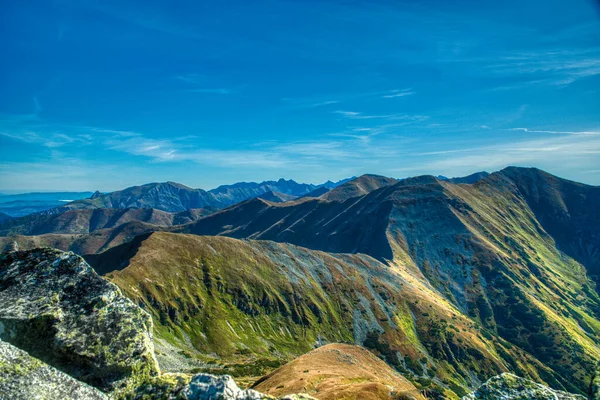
(202,387)
(23,377)
(510,387)
(57,309)
(210,387)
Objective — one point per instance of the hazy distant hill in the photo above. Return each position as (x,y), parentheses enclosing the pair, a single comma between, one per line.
(90,220)
(174,197)
(4,217)
(17,205)
(231,194)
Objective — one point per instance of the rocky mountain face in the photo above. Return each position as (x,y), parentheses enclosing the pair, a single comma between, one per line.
(481,247)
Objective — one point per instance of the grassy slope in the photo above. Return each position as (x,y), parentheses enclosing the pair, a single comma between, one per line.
(338,371)
(479,247)
(520,286)
(245,307)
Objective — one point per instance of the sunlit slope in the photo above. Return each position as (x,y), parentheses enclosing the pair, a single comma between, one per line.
(244,307)
(339,371)
(479,246)
(482,248)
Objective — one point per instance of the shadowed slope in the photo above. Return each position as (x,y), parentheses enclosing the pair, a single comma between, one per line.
(568,211)
(356,225)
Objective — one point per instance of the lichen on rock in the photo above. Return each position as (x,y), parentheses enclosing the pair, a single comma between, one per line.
(23,377)
(511,387)
(57,309)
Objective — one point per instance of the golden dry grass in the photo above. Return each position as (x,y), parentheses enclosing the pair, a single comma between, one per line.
(335,372)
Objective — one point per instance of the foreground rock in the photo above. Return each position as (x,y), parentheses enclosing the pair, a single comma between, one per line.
(57,309)
(510,387)
(202,387)
(23,377)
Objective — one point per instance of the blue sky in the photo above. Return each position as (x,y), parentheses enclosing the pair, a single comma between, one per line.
(104,95)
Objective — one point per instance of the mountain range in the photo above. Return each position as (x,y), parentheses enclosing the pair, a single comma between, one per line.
(449,281)
(175,197)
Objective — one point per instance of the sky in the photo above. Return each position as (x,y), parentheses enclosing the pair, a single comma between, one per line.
(101,95)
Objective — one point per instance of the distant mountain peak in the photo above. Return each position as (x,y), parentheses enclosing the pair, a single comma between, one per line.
(470,179)
(358,187)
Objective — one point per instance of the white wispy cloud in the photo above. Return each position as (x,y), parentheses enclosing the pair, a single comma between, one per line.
(587,133)
(46,139)
(574,152)
(398,93)
(556,67)
(395,117)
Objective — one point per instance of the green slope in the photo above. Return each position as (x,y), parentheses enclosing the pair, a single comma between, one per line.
(487,248)
(245,307)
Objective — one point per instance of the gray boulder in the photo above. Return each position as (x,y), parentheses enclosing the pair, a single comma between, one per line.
(511,387)
(211,387)
(57,309)
(23,377)
(201,387)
